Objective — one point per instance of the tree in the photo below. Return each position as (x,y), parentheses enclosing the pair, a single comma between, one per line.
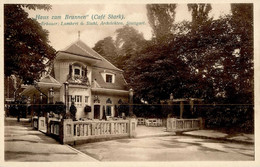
(26,47)
(206,58)
(107,49)
(221,52)
(164,65)
(161,18)
(196,48)
(157,71)
(242,26)
(200,15)
(128,42)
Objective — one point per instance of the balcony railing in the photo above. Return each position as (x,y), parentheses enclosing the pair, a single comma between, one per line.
(78,80)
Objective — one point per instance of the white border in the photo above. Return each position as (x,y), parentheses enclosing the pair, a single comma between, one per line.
(112,164)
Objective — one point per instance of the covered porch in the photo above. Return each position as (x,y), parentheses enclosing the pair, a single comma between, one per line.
(42,93)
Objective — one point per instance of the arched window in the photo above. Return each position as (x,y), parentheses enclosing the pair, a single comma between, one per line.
(109,108)
(96,99)
(109,101)
(120,101)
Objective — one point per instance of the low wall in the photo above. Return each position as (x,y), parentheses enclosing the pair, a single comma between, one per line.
(174,124)
(35,122)
(42,126)
(71,132)
(68,131)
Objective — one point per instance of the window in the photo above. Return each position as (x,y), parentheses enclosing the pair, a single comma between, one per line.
(77,71)
(109,107)
(108,111)
(109,101)
(86,99)
(78,100)
(109,78)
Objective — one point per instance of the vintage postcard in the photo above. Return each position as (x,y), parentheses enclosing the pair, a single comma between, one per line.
(137,84)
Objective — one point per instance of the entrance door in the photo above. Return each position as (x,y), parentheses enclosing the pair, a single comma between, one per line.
(96,111)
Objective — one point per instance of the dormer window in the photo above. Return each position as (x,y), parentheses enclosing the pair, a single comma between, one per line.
(109,78)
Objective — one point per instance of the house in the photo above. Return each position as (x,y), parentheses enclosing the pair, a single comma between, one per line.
(80,74)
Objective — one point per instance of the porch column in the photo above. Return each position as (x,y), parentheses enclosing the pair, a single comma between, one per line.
(33,106)
(181,109)
(41,101)
(51,95)
(191,106)
(131,94)
(66,93)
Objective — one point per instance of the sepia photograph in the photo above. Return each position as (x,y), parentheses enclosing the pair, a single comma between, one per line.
(129,82)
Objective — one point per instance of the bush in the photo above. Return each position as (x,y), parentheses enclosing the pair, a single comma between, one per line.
(239,118)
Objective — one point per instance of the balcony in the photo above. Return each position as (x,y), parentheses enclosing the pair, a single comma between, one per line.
(78,80)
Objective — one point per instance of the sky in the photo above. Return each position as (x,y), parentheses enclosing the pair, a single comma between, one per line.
(61,36)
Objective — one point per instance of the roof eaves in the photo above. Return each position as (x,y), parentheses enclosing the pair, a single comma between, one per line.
(117,69)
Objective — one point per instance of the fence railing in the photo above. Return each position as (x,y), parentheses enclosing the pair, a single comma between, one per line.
(140,121)
(88,130)
(174,124)
(54,127)
(153,122)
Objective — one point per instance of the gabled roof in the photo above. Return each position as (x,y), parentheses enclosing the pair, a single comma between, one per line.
(45,84)
(49,80)
(79,48)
